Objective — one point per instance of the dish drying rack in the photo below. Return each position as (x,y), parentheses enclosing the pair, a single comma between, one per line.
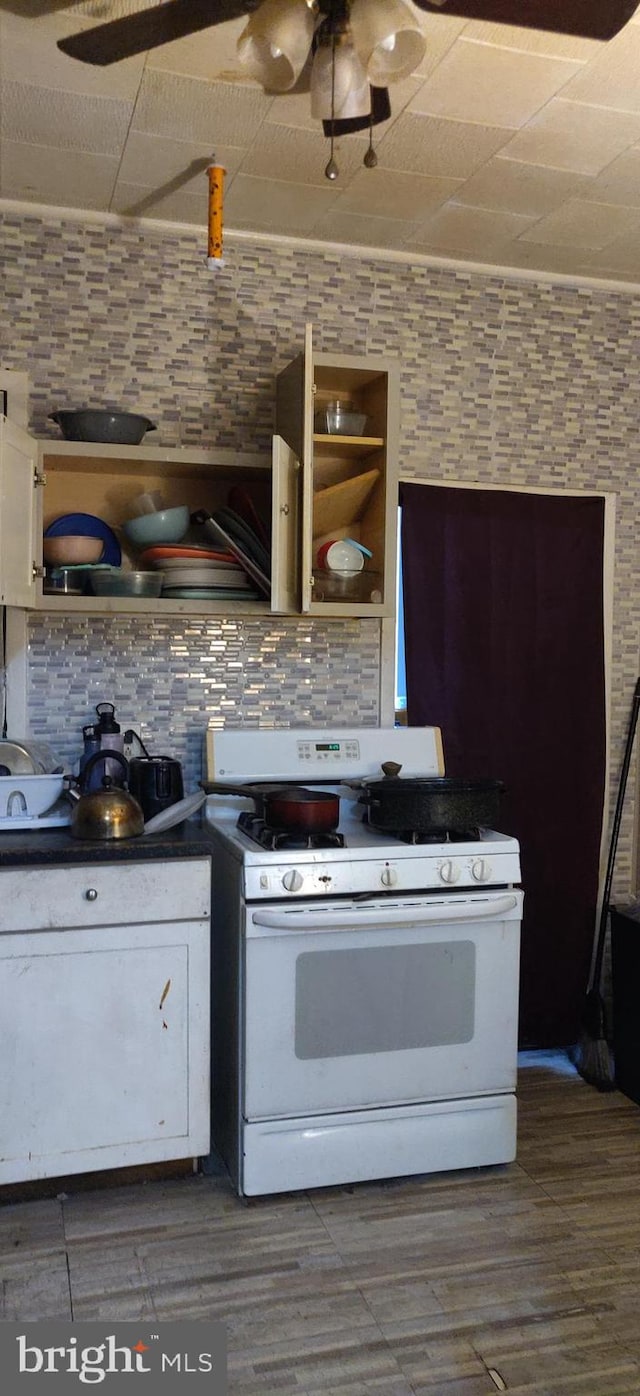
(56,818)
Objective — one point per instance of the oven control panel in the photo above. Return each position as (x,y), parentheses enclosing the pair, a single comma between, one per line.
(302,753)
(327,753)
(349,877)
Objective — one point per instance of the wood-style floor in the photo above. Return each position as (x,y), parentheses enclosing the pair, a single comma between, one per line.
(524,1278)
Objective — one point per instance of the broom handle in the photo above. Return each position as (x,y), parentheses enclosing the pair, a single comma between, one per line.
(604,912)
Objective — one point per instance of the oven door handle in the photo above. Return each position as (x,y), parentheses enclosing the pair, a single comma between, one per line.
(471,909)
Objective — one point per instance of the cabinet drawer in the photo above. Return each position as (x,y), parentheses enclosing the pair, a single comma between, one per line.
(113,894)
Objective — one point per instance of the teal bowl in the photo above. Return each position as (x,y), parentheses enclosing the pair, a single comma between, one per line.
(167,526)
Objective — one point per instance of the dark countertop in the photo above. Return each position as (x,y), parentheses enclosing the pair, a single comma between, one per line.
(51,846)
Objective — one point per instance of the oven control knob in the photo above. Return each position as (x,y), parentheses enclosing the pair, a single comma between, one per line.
(449,871)
(292,880)
(389,877)
(480,870)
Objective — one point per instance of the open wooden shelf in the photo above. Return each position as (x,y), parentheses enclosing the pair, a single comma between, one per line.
(339,505)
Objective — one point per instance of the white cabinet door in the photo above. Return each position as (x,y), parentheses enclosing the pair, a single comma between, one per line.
(104,1038)
(285,528)
(294,417)
(18,522)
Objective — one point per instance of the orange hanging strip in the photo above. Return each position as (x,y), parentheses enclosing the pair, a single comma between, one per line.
(216,174)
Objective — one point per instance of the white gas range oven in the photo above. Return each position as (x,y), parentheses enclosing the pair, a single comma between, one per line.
(364,991)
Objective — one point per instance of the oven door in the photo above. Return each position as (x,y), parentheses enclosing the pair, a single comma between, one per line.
(354,1004)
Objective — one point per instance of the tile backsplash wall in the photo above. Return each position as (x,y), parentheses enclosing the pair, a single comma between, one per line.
(502,381)
(170,679)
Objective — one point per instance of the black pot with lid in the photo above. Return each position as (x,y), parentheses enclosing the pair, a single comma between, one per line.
(431,805)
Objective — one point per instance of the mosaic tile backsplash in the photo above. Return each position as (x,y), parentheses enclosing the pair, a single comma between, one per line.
(170,680)
(502,381)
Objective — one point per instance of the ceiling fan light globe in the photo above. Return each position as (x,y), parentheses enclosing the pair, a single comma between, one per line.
(275,44)
(351,93)
(388,38)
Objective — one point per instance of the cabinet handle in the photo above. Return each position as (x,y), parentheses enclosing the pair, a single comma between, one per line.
(91,894)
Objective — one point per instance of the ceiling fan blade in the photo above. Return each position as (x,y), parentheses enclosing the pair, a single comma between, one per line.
(380,111)
(122,38)
(590,19)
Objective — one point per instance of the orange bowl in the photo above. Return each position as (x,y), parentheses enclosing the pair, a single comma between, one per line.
(71,548)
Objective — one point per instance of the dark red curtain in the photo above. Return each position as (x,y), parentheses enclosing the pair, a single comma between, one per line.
(503,610)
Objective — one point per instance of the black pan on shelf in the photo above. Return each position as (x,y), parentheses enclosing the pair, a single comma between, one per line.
(218,532)
(245,536)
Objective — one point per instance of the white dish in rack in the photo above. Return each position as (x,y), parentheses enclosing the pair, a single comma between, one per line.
(28,796)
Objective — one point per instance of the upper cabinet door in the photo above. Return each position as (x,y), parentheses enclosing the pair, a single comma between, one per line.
(18,515)
(285,528)
(295,389)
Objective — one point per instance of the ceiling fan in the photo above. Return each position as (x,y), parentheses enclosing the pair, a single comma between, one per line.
(161,24)
(345,52)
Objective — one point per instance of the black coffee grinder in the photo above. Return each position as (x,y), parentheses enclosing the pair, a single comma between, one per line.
(156,781)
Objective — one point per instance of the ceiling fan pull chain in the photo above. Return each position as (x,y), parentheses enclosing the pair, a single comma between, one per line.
(331,169)
(370,157)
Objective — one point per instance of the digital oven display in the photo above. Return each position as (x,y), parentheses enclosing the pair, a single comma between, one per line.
(327,746)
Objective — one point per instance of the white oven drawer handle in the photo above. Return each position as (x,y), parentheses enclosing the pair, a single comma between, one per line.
(341,920)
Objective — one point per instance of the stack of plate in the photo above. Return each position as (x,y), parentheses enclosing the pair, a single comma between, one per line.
(201,574)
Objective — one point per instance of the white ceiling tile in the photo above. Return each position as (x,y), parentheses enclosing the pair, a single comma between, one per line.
(292,109)
(463,230)
(613,78)
(67,120)
(152,161)
(28,53)
(518,188)
(620,257)
(541,41)
(574,136)
(100,11)
(580,223)
(619,183)
(269,205)
(192,110)
(441,31)
(431,146)
(385,194)
(300,157)
(72,178)
(546,257)
(340,226)
(492,86)
(210,54)
(175,205)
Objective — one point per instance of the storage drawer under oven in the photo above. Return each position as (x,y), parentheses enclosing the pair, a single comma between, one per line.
(349,1005)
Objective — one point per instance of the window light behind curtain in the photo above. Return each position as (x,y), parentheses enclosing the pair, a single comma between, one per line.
(503,611)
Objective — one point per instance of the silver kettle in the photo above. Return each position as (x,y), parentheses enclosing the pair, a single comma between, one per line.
(109,813)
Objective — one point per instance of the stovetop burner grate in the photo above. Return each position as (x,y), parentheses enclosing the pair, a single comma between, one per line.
(415,836)
(254,826)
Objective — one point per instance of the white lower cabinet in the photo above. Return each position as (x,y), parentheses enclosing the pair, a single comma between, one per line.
(104,1016)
